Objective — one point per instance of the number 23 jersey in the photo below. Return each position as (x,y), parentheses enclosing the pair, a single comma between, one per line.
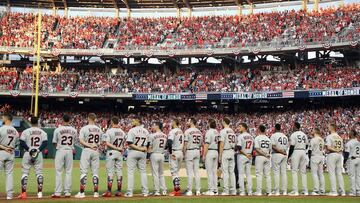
(64,137)
(33,137)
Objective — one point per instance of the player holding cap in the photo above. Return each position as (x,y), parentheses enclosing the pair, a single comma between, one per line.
(8,139)
(90,138)
(352,153)
(63,141)
(115,141)
(33,140)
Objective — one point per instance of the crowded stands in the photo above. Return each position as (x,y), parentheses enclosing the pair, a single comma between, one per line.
(17,29)
(184,80)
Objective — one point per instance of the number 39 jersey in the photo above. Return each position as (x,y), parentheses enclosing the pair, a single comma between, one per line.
(334,141)
(228,136)
(64,137)
(157,142)
(8,136)
(33,137)
(264,143)
(138,136)
(194,138)
(116,137)
(91,134)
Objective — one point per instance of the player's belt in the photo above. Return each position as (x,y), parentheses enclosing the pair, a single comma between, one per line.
(174,150)
(353,158)
(229,149)
(299,149)
(192,149)
(212,149)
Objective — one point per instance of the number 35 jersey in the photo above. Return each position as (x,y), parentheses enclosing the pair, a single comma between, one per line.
(64,137)
(116,137)
(33,137)
(91,134)
(194,138)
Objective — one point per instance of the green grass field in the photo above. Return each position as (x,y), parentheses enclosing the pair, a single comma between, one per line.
(49,185)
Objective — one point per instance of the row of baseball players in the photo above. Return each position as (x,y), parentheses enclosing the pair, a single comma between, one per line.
(220,148)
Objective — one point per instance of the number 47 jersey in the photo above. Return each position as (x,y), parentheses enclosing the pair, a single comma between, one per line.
(116,137)
(64,137)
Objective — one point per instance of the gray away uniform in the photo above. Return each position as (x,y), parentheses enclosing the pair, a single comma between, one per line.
(228,137)
(157,142)
(194,140)
(353,148)
(335,162)
(299,159)
(279,161)
(136,159)
(262,164)
(246,142)
(317,164)
(64,138)
(212,138)
(8,138)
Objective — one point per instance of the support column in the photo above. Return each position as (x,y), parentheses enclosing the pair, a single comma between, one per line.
(117,13)
(66,12)
(178,13)
(128,13)
(251,8)
(316,5)
(304,5)
(240,10)
(190,12)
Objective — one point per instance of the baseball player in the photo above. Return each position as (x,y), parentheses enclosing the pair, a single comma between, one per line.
(33,140)
(316,152)
(245,145)
(352,149)
(279,157)
(335,146)
(137,140)
(192,143)
(63,140)
(174,145)
(297,154)
(156,149)
(226,154)
(8,139)
(115,142)
(262,146)
(90,139)
(211,157)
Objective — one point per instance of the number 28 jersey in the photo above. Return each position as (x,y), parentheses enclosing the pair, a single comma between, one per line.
(64,137)
(91,134)
(33,137)
(138,136)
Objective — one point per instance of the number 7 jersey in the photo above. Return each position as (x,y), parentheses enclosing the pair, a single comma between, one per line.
(8,136)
